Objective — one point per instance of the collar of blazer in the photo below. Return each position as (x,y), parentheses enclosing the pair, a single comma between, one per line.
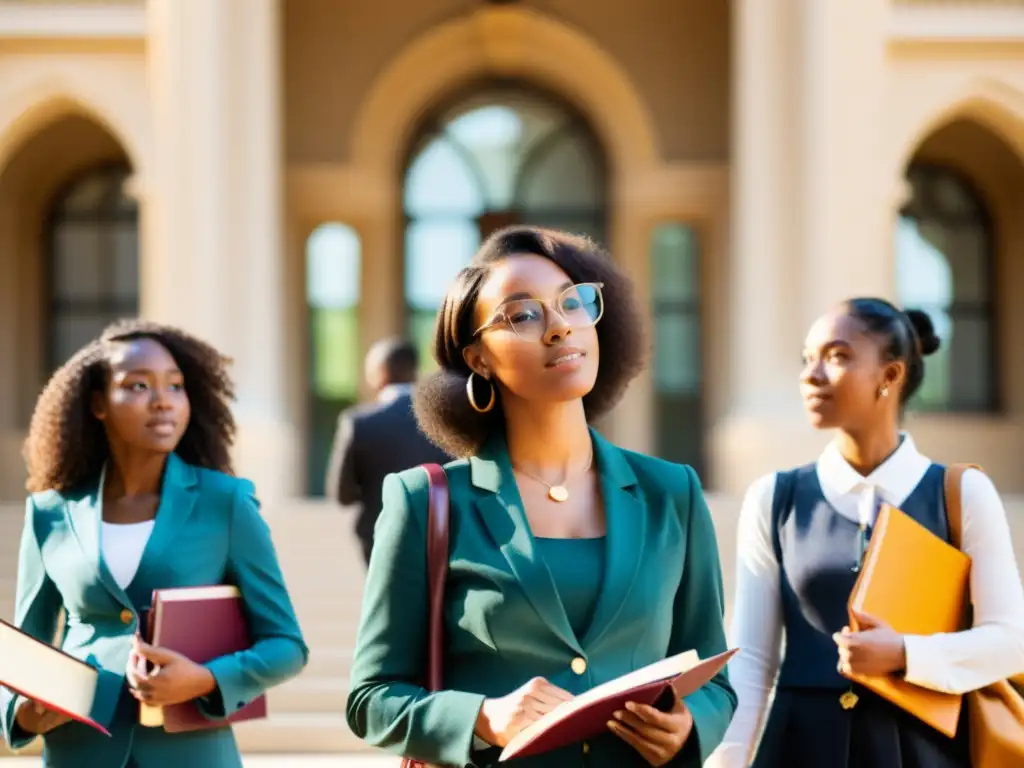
(503,515)
(177,500)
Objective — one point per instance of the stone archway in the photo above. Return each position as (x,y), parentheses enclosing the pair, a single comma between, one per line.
(37,251)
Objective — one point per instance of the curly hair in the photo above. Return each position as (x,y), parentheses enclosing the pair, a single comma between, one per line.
(442,408)
(67,445)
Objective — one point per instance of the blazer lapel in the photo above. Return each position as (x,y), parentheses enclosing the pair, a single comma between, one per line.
(501,509)
(625,514)
(177,500)
(85,516)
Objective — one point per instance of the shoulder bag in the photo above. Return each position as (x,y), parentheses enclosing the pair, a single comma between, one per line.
(995,714)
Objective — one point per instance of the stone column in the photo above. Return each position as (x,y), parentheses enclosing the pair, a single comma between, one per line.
(763,271)
(848,226)
(213,209)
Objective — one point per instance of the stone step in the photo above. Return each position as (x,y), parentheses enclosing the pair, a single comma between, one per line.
(310,694)
(279,734)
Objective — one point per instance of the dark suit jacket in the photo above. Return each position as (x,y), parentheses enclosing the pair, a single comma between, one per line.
(208,530)
(373,441)
(505,622)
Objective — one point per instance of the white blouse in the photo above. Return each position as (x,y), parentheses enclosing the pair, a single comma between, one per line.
(123,546)
(955,663)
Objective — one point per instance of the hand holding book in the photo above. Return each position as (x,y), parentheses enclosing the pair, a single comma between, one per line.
(162,678)
(874,649)
(656,736)
(33,717)
(501,719)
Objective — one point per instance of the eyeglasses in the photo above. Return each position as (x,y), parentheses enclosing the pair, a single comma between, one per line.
(580,306)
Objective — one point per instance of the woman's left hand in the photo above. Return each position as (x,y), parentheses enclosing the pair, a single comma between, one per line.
(657,736)
(876,650)
(175,679)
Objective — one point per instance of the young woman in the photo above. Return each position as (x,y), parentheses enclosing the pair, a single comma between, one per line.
(132,490)
(799,548)
(572,561)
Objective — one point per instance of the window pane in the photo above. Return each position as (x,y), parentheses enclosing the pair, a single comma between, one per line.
(333,267)
(125,257)
(677,361)
(440,182)
(674,274)
(421,332)
(923,276)
(497,136)
(564,175)
(970,352)
(943,263)
(674,263)
(78,263)
(434,253)
(335,352)
(73,330)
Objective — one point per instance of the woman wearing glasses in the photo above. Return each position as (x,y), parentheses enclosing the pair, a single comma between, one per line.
(572,561)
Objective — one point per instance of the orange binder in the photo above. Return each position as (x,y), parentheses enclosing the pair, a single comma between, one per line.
(918,584)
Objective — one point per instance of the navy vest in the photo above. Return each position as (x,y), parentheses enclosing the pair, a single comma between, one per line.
(817,550)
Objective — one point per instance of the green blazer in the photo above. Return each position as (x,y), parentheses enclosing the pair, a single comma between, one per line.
(661,595)
(208,530)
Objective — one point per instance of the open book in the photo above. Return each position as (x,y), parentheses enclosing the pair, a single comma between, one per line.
(48,675)
(587,715)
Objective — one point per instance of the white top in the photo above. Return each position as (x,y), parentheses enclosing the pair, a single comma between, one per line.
(123,546)
(956,663)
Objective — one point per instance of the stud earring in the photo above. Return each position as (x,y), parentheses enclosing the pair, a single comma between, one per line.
(885,391)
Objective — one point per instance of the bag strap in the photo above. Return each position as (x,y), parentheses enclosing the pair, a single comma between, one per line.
(438,516)
(953,483)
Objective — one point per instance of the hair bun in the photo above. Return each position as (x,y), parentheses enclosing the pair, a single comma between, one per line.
(925,330)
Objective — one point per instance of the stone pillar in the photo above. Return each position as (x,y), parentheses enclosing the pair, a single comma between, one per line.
(763,272)
(213,210)
(848,237)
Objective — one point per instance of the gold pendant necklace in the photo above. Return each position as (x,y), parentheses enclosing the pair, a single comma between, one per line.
(558,492)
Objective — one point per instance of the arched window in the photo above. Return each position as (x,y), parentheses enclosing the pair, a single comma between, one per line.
(678,376)
(944,259)
(93,238)
(506,155)
(332,302)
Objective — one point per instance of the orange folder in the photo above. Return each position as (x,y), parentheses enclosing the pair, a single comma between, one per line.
(918,584)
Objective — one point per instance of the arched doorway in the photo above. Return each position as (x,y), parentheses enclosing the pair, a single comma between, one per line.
(958,248)
(504,154)
(69,259)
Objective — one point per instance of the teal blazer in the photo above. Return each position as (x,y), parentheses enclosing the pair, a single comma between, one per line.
(208,531)
(505,624)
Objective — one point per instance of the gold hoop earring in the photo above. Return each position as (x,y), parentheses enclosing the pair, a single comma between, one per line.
(472,397)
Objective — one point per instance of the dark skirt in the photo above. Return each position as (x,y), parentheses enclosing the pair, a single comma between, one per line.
(807,728)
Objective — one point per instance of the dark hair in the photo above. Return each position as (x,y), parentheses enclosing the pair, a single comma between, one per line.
(907,335)
(442,408)
(398,359)
(67,445)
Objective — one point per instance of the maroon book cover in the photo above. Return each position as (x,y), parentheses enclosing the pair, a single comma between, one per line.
(202,623)
(587,715)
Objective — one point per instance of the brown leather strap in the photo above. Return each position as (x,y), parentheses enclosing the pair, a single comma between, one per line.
(437,570)
(954,508)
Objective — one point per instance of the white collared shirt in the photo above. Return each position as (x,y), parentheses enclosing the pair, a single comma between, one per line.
(959,662)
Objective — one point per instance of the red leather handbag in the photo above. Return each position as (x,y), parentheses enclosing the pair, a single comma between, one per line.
(438,514)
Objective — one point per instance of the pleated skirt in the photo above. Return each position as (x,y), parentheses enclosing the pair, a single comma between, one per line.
(807,728)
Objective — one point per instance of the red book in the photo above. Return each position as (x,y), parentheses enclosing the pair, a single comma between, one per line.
(587,715)
(201,623)
(43,673)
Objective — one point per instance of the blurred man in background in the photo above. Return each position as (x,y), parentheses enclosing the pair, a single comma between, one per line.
(377,438)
